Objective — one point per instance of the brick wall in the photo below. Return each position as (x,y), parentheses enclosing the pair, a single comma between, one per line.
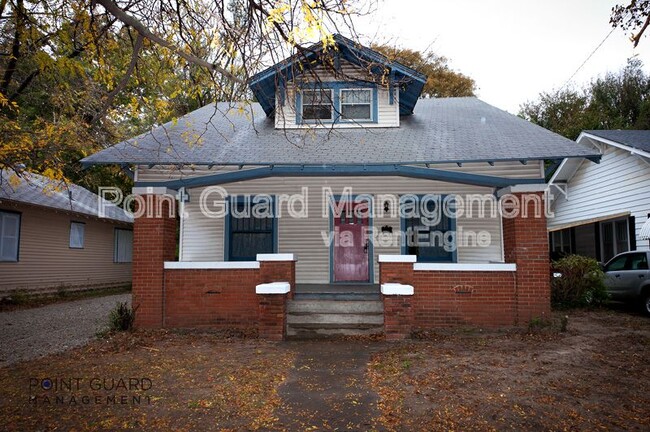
(447,298)
(223,298)
(154,242)
(279,271)
(525,243)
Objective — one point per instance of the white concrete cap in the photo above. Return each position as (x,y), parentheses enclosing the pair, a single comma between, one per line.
(397,258)
(396,289)
(276,257)
(273,288)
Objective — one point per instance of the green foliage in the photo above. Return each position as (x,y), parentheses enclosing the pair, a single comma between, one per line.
(121,317)
(615,101)
(442,81)
(581,282)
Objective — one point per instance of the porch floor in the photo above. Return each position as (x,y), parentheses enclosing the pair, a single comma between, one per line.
(342,292)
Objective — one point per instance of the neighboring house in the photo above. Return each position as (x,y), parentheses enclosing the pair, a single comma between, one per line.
(52,238)
(358,123)
(601,209)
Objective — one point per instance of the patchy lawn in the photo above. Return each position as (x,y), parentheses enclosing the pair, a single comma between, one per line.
(191,382)
(593,377)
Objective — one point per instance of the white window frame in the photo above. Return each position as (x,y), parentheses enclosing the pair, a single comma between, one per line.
(302,105)
(81,228)
(4,235)
(345,119)
(116,249)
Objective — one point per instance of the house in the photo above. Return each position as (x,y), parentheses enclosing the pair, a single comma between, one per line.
(603,209)
(53,239)
(341,183)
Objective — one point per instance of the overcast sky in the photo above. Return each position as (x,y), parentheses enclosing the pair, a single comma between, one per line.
(513,49)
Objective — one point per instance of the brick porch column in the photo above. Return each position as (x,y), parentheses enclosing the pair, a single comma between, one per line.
(525,243)
(272,310)
(396,278)
(278,277)
(154,242)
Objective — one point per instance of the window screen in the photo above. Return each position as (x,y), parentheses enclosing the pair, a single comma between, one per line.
(429,242)
(77,233)
(9,236)
(123,252)
(317,104)
(356,104)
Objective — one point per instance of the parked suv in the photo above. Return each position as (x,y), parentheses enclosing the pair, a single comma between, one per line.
(628,278)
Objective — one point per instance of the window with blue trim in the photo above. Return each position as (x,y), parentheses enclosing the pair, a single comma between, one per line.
(356,104)
(337,102)
(317,104)
(428,231)
(251,229)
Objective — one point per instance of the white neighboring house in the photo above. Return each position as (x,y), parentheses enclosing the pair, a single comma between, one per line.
(603,209)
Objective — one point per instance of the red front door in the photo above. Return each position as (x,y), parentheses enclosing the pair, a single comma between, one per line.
(351,243)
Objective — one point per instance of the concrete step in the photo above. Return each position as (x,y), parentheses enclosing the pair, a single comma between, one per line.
(316,318)
(335,319)
(337,296)
(337,289)
(298,306)
(316,331)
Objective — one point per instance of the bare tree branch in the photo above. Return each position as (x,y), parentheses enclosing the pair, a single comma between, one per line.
(637,37)
(129,20)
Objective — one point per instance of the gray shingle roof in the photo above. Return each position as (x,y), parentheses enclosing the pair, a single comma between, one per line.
(35,189)
(638,139)
(440,130)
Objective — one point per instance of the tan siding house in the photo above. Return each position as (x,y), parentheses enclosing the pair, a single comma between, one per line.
(54,245)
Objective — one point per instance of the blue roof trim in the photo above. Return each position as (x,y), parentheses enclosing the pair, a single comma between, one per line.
(87,164)
(345,170)
(264,84)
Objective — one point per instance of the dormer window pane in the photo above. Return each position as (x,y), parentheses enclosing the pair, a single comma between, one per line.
(317,104)
(355,104)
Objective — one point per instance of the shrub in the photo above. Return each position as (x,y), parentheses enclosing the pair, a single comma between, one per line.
(582,282)
(121,317)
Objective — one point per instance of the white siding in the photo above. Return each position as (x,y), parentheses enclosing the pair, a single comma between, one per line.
(619,184)
(203,237)
(387,114)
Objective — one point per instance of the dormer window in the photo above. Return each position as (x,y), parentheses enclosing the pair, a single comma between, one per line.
(317,104)
(337,102)
(356,104)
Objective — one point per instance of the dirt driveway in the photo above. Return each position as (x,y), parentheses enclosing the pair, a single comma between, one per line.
(592,377)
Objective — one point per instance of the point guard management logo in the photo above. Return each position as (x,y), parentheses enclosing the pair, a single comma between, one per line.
(80,391)
(215,203)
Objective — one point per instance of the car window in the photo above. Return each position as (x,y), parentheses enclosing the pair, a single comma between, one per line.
(617,263)
(638,262)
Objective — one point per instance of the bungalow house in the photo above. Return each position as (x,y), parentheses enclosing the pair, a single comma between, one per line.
(53,237)
(341,201)
(603,209)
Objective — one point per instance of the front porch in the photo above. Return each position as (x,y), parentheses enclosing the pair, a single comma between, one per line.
(263,293)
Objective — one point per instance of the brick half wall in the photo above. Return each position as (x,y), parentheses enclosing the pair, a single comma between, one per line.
(223,298)
(450,298)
